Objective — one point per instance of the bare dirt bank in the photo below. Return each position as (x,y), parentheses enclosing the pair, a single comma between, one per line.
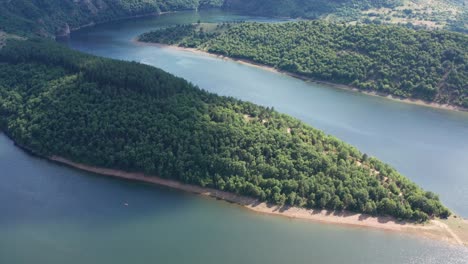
(454,230)
(298,76)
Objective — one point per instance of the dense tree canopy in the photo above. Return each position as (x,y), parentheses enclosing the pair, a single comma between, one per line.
(134,117)
(421,64)
(49,17)
(448,14)
(308,8)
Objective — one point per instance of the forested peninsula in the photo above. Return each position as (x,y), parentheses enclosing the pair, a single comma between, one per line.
(136,118)
(386,60)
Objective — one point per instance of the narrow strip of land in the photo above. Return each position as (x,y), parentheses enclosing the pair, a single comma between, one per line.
(435,229)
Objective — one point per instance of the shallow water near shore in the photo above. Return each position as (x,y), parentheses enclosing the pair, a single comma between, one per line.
(54,214)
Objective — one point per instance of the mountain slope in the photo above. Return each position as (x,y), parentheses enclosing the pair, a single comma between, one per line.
(51,17)
(306,8)
(447,14)
(57,17)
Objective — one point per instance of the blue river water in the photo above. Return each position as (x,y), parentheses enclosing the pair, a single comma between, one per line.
(53,214)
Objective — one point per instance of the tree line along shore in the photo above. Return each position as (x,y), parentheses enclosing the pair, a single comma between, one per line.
(385,60)
(133,117)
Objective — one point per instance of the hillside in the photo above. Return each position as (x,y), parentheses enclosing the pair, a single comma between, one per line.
(308,8)
(57,17)
(447,14)
(418,64)
(133,117)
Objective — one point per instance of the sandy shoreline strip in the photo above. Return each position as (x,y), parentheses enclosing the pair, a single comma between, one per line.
(435,229)
(304,78)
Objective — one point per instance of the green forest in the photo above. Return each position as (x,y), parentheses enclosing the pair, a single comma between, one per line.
(406,63)
(130,116)
(55,17)
(437,14)
(50,17)
(311,9)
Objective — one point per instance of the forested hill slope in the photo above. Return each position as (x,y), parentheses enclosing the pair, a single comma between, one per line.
(307,8)
(421,64)
(447,14)
(129,116)
(51,17)
(57,17)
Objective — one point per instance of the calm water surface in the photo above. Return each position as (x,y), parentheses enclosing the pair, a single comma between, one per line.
(53,214)
(428,145)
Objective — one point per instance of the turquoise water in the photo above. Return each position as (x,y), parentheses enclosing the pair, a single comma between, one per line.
(54,214)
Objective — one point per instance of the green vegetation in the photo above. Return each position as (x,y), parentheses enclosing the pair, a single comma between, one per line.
(191,36)
(346,9)
(134,117)
(51,17)
(448,14)
(172,35)
(421,64)
(56,17)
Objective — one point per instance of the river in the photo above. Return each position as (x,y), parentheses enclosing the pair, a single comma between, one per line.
(53,214)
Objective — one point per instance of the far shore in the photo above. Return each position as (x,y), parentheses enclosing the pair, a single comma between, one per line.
(436,229)
(308,79)
(92,23)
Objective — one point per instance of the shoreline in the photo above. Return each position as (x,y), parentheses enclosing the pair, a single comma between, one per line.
(453,231)
(435,229)
(93,23)
(151,14)
(308,79)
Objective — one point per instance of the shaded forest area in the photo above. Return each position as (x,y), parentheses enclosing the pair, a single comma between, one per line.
(55,17)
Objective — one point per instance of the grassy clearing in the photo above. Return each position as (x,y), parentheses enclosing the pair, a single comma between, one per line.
(431,14)
(5,36)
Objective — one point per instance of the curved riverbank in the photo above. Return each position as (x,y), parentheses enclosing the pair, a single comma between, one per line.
(308,79)
(93,23)
(435,229)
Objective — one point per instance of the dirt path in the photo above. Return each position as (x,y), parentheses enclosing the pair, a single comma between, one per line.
(450,231)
